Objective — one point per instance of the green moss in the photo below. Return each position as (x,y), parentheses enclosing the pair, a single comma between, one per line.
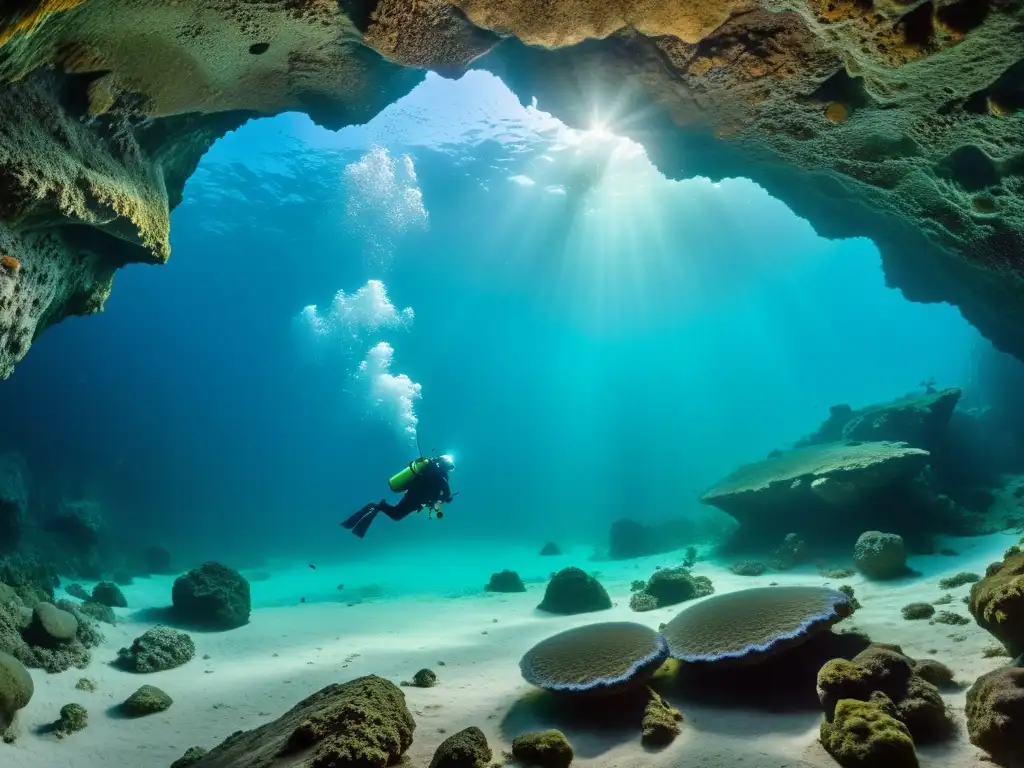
(86,684)
(641,601)
(847,590)
(948,617)
(864,734)
(917,611)
(547,749)
(660,723)
(156,650)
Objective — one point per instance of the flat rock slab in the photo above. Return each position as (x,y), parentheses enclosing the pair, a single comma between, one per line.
(804,482)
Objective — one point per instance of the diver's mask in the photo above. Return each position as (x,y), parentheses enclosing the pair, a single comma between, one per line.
(446,462)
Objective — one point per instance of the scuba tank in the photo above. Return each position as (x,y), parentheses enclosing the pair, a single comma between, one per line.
(399,482)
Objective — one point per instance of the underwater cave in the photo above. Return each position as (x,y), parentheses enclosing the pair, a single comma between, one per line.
(681,349)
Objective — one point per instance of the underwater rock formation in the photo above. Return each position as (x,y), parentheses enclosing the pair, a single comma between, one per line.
(147,700)
(505,581)
(997,602)
(155,650)
(550,550)
(572,590)
(752,625)
(109,594)
(363,722)
(16,689)
(424,678)
(864,734)
(50,626)
(42,638)
(466,749)
(916,702)
(73,718)
(828,489)
(880,555)
(190,758)
(660,723)
(31,578)
(669,586)
(995,714)
(597,658)
(546,749)
(212,596)
(919,420)
(897,124)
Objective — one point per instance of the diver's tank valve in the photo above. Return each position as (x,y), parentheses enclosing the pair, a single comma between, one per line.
(399,482)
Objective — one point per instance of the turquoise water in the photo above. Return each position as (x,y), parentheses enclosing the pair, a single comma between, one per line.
(589,339)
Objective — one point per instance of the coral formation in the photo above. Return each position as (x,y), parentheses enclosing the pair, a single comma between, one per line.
(99,612)
(660,723)
(545,749)
(748,568)
(50,626)
(466,749)
(936,673)
(73,718)
(425,678)
(997,602)
(669,586)
(597,658)
(915,611)
(753,624)
(964,577)
(24,635)
(571,590)
(147,700)
(995,714)
(155,650)
(212,596)
(863,734)
(363,722)
(948,617)
(109,594)
(86,684)
(505,581)
(77,590)
(880,555)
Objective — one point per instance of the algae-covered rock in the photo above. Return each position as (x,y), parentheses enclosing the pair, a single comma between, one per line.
(147,700)
(24,638)
(505,581)
(425,678)
(99,612)
(917,611)
(660,724)
(16,688)
(109,594)
(748,568)
(73,718)
(997,602)
(936,673)
(995,714)
(880,555)
(866,734)
(77,590)
(546,749)
(51,626)
(191,757)
(212,596)
(571,590)
(466,749)
(86,684)
(363,723)
(157,649)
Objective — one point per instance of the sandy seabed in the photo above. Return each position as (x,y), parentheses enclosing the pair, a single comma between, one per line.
(249,676)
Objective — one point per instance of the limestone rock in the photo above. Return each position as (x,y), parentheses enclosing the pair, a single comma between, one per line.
(660,724)
(880,555)
(156,650)
(813,487)
(213,596)
(363,723)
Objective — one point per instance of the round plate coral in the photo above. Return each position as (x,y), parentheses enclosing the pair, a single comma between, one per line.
(750,625)
(598,658)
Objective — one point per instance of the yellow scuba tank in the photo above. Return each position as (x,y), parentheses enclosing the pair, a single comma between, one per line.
(398,483)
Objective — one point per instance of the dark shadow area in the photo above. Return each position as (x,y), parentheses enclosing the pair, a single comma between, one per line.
(787,683)
(593,724)
(964,16)
(169,618)
(970,168)
(843,88)
(918,26)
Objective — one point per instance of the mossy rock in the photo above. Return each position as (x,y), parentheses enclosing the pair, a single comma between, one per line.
(466,749)
(212,596)
(425,678)
(16,688)
(505,581)
(866,734)
(997,602)
(99,612)
(147,700)
(660,723)
(192,756)
(571,591)
(109,594)
(546,749)
(51,626)
(73,718)
(917,611)
(156,650)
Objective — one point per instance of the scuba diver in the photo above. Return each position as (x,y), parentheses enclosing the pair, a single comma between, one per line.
(425,483)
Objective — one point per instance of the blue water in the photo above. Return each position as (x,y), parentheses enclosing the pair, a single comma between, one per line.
(591,340)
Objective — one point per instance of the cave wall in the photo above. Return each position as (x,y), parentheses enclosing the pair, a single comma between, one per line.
(902,122)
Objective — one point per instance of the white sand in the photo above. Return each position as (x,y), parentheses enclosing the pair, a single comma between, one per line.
(289,650)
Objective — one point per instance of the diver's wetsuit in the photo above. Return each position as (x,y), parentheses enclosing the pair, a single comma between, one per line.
(427,488)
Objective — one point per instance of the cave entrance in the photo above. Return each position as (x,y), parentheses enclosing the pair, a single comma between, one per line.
(602,337)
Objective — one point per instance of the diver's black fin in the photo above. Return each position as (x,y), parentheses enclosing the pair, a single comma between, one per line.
(352,521)
(363,525)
